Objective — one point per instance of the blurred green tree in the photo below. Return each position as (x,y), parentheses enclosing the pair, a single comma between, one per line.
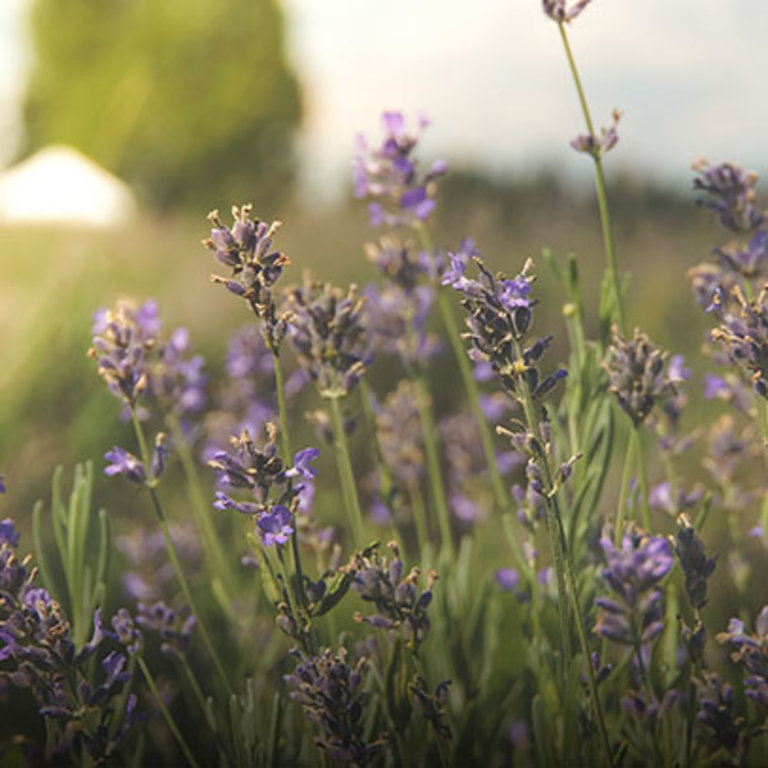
(191,101)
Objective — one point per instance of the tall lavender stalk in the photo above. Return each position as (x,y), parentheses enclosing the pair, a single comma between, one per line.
(595,146)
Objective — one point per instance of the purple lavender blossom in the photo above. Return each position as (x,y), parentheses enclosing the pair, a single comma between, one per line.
(327,332)
(246,249)
(396,597)
(389,174)
(730,193)
(8,533)
(275,525)
(557,10)
(751,653)
(507,579)
(302,464)
(500,316)
(749,262)
(175,628)
(597,146)
(329,691)
(745,338)
(124,463)
(636,375)
(2,484)
(400,264)
(633,572)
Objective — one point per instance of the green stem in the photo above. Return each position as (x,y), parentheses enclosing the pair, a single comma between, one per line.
(473,396)
(221,565)
(602,197)
(419,516)
(285,439)
(642,472)
(181,578)
(429,433)
(621,511)
(346,474)
(566,581)
(166,714)
(762,423)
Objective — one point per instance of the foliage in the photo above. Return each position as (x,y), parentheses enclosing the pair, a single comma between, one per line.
(183,100)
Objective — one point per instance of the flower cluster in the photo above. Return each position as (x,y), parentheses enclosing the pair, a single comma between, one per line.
(500,317)
(175,628)
(751,653)
(139,368)
(399,434)
(327,331)
(637,376)
(246,249)
(730,192)
(389,173)
(329,691)
(397,600)
(633,572)
(122,462)
(36,643)
(745,337)
(259,471)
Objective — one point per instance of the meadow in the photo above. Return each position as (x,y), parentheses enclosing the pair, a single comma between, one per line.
(499,503)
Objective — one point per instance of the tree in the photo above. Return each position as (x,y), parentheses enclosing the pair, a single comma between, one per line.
(191,101)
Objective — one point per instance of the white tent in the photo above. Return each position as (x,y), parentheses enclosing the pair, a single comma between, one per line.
(59,185)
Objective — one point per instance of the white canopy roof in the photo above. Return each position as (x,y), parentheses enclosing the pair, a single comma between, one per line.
(59,185)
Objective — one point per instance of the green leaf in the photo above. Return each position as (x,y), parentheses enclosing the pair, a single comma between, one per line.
(335,591)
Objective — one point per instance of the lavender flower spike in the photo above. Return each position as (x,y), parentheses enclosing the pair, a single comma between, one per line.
(389,173)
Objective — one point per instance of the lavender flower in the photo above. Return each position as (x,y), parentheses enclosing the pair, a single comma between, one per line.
(328,334)
(124,463)
(275,525)
(396,598)
(717,712)
(745,338)
(695,564)
(399,434)
(598,146)
(175,628)
(2,484)
(39,653)
(635,614)
(637,376)
(751,653)
(730,193)
(396,322)
(398,262)
(389,173)
(137,366)
(748,262)
(8,533)
(246,249)
(329,691)
(557,10)
(500,316)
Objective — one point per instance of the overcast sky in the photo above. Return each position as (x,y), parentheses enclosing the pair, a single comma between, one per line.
(492,76)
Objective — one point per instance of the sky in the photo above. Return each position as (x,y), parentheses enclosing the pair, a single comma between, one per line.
(689,75)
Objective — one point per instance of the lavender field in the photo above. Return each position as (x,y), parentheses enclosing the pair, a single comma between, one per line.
(457,473)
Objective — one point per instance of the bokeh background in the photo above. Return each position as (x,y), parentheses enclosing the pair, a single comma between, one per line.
(197,105)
